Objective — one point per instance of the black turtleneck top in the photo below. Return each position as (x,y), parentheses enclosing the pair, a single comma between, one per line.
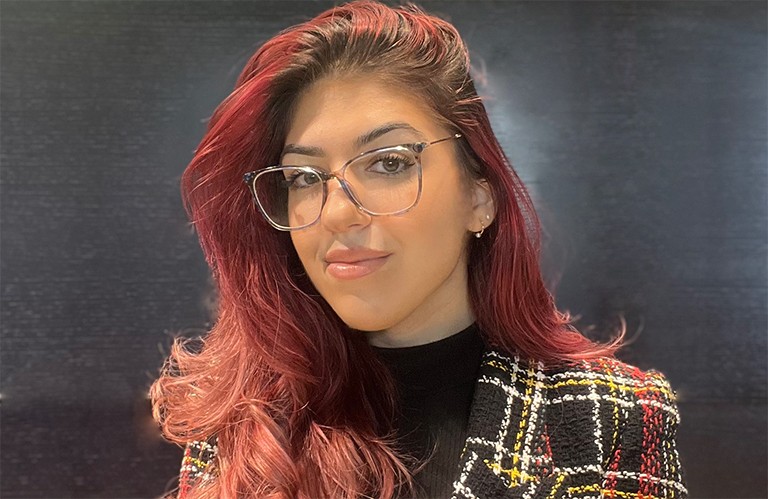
(435,384)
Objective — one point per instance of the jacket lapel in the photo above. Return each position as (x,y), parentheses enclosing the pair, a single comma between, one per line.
(506,454)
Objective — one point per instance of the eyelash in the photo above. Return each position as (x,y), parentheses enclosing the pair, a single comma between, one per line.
(405,161)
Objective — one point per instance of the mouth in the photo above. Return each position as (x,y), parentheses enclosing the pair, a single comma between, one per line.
(347,264)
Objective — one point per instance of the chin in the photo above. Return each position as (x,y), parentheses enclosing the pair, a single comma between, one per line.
(361,316)
(366,323)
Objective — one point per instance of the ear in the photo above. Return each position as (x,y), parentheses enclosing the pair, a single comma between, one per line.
(483,206)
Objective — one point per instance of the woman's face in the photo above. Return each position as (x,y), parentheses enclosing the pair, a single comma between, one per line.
(401,278)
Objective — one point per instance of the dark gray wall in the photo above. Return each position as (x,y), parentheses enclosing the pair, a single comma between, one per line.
(640,128)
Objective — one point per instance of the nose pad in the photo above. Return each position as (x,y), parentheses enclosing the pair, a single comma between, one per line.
(340,211)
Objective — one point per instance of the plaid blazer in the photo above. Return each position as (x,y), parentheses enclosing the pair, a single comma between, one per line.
(586,430)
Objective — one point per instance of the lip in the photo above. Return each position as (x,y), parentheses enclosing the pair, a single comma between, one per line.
(354,263)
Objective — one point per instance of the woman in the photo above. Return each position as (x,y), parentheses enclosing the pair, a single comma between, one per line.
(383,329)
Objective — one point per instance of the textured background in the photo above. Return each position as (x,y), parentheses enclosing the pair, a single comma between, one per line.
(640,128)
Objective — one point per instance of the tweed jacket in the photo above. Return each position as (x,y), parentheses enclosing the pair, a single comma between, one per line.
(585,430)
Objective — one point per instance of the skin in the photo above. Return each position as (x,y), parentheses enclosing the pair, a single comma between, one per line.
(420,294)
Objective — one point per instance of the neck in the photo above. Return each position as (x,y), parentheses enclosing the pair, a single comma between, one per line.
(438,327)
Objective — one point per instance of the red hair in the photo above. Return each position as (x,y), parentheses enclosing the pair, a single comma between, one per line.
(298,403)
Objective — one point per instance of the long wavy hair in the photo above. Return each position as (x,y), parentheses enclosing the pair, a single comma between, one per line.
(299,405)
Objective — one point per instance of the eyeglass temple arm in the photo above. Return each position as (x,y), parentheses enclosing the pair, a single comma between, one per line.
(454,136)
(424,145)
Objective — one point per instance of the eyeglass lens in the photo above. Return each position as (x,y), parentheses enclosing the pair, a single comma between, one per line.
(382,182)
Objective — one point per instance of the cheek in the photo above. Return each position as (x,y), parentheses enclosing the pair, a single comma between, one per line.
(306,247)
(445,208)
(435,235)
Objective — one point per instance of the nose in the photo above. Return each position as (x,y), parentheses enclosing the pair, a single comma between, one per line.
(339,212)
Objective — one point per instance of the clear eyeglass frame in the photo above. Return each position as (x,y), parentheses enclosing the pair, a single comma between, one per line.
(417,148)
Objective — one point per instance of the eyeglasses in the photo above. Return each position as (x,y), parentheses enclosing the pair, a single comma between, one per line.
(384,181)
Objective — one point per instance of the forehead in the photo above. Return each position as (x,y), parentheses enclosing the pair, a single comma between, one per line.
(336,112)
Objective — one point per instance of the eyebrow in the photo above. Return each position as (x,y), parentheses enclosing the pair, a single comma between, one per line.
(384,129)
(361,141)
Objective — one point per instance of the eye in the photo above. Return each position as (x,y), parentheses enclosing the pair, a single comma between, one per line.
(391,164)
(300,179)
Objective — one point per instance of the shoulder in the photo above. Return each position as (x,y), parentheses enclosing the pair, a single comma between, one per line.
(598,421)
(196,465)
(589,393)
(614,374)
(627,407)
(583,380)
